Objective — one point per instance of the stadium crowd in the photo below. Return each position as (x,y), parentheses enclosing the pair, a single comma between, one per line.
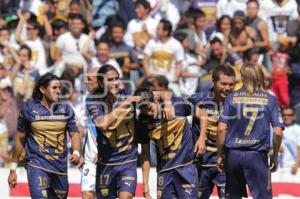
(170,45)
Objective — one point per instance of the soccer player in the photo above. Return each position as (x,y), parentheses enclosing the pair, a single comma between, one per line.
(177,175)
(42,126)
(208,105)
(243,137)
(88,175)
(112,115)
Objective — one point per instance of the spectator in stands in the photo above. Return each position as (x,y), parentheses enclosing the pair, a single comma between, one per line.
(142,29)
(200,25)
(290,149)
(164,55)
(279,84)
(223,29)
(277,13)
(191,67)
(103,57)
(240,37)
(229,7)
(32,40)
(74,48)
(102,9)
(253,20)
(123,53)
(167,10)
(216,55)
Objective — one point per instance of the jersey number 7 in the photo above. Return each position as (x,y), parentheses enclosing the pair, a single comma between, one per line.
(252,118)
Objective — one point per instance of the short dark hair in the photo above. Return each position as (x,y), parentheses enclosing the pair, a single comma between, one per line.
(77,16)
(253,1)
(118,23)
(34,23)
(180,36)
(43,81)
(25,47)
(290,108)
(58,24)
(143,3)
(167,26)
(100,41)
(162,81)
(215,40)
(198,14)
(222,69)
(74,2)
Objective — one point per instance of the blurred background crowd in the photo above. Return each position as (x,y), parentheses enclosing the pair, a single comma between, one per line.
(165,44)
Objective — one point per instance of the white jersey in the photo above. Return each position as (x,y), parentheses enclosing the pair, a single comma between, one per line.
(90,141)
(290,144)
(96,63)
(278,18)
(135,28)
(164,56)
(38,55)
(70,47)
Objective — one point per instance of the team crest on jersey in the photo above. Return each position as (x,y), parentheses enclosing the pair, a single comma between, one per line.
(104,192)
(45,193)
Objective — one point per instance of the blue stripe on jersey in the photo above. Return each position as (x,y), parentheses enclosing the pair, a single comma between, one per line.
(92,126)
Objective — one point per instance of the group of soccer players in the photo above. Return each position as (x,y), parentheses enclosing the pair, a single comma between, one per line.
(226,145)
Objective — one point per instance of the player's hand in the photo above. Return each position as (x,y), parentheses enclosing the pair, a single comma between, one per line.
(95,159)
(80,163)
(294,169)
(74,159)
(168,111)
(220,164)
(146,192)
(133,99)
(200,148)
(12,179)
(274,163)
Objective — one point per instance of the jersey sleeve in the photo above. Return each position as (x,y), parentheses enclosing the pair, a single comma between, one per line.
(225,113)
(23,124)
(276,118)
(182,107)
(94,109)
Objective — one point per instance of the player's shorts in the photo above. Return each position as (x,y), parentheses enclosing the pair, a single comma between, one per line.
(111,180)
(43,184)
(88,176)
(209,176)
(247,167)
(178,183)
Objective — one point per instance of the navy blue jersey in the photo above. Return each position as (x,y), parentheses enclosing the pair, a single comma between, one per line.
(248,118)
(173,138)
(116,144)
(46,146)
(205,101)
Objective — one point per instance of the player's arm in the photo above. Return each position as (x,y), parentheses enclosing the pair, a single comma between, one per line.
(75,143)
(277,138)
(200,146)
(16,153)
(146,169)
(168,109)
(104,121)
(221,132)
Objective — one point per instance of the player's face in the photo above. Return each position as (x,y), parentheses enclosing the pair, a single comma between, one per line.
(252,10)
(288,116)
(91,81)
(150,109)
(112,82)
(224,85)
(52,92)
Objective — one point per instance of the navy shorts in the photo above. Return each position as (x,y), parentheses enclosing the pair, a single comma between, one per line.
(43,184)
(247,167)
(209,176)
(111,180)
(178,183)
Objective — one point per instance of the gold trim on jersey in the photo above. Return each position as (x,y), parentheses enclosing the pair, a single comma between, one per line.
(250,100)
(117,163)
(42,168)
(177,166)
(211,149)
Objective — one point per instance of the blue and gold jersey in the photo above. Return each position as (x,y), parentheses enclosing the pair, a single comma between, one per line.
(173,139)
(248,118)
(205,101)
(46,143)
(117,144)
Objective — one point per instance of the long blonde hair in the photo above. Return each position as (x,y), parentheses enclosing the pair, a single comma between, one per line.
(253,78)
